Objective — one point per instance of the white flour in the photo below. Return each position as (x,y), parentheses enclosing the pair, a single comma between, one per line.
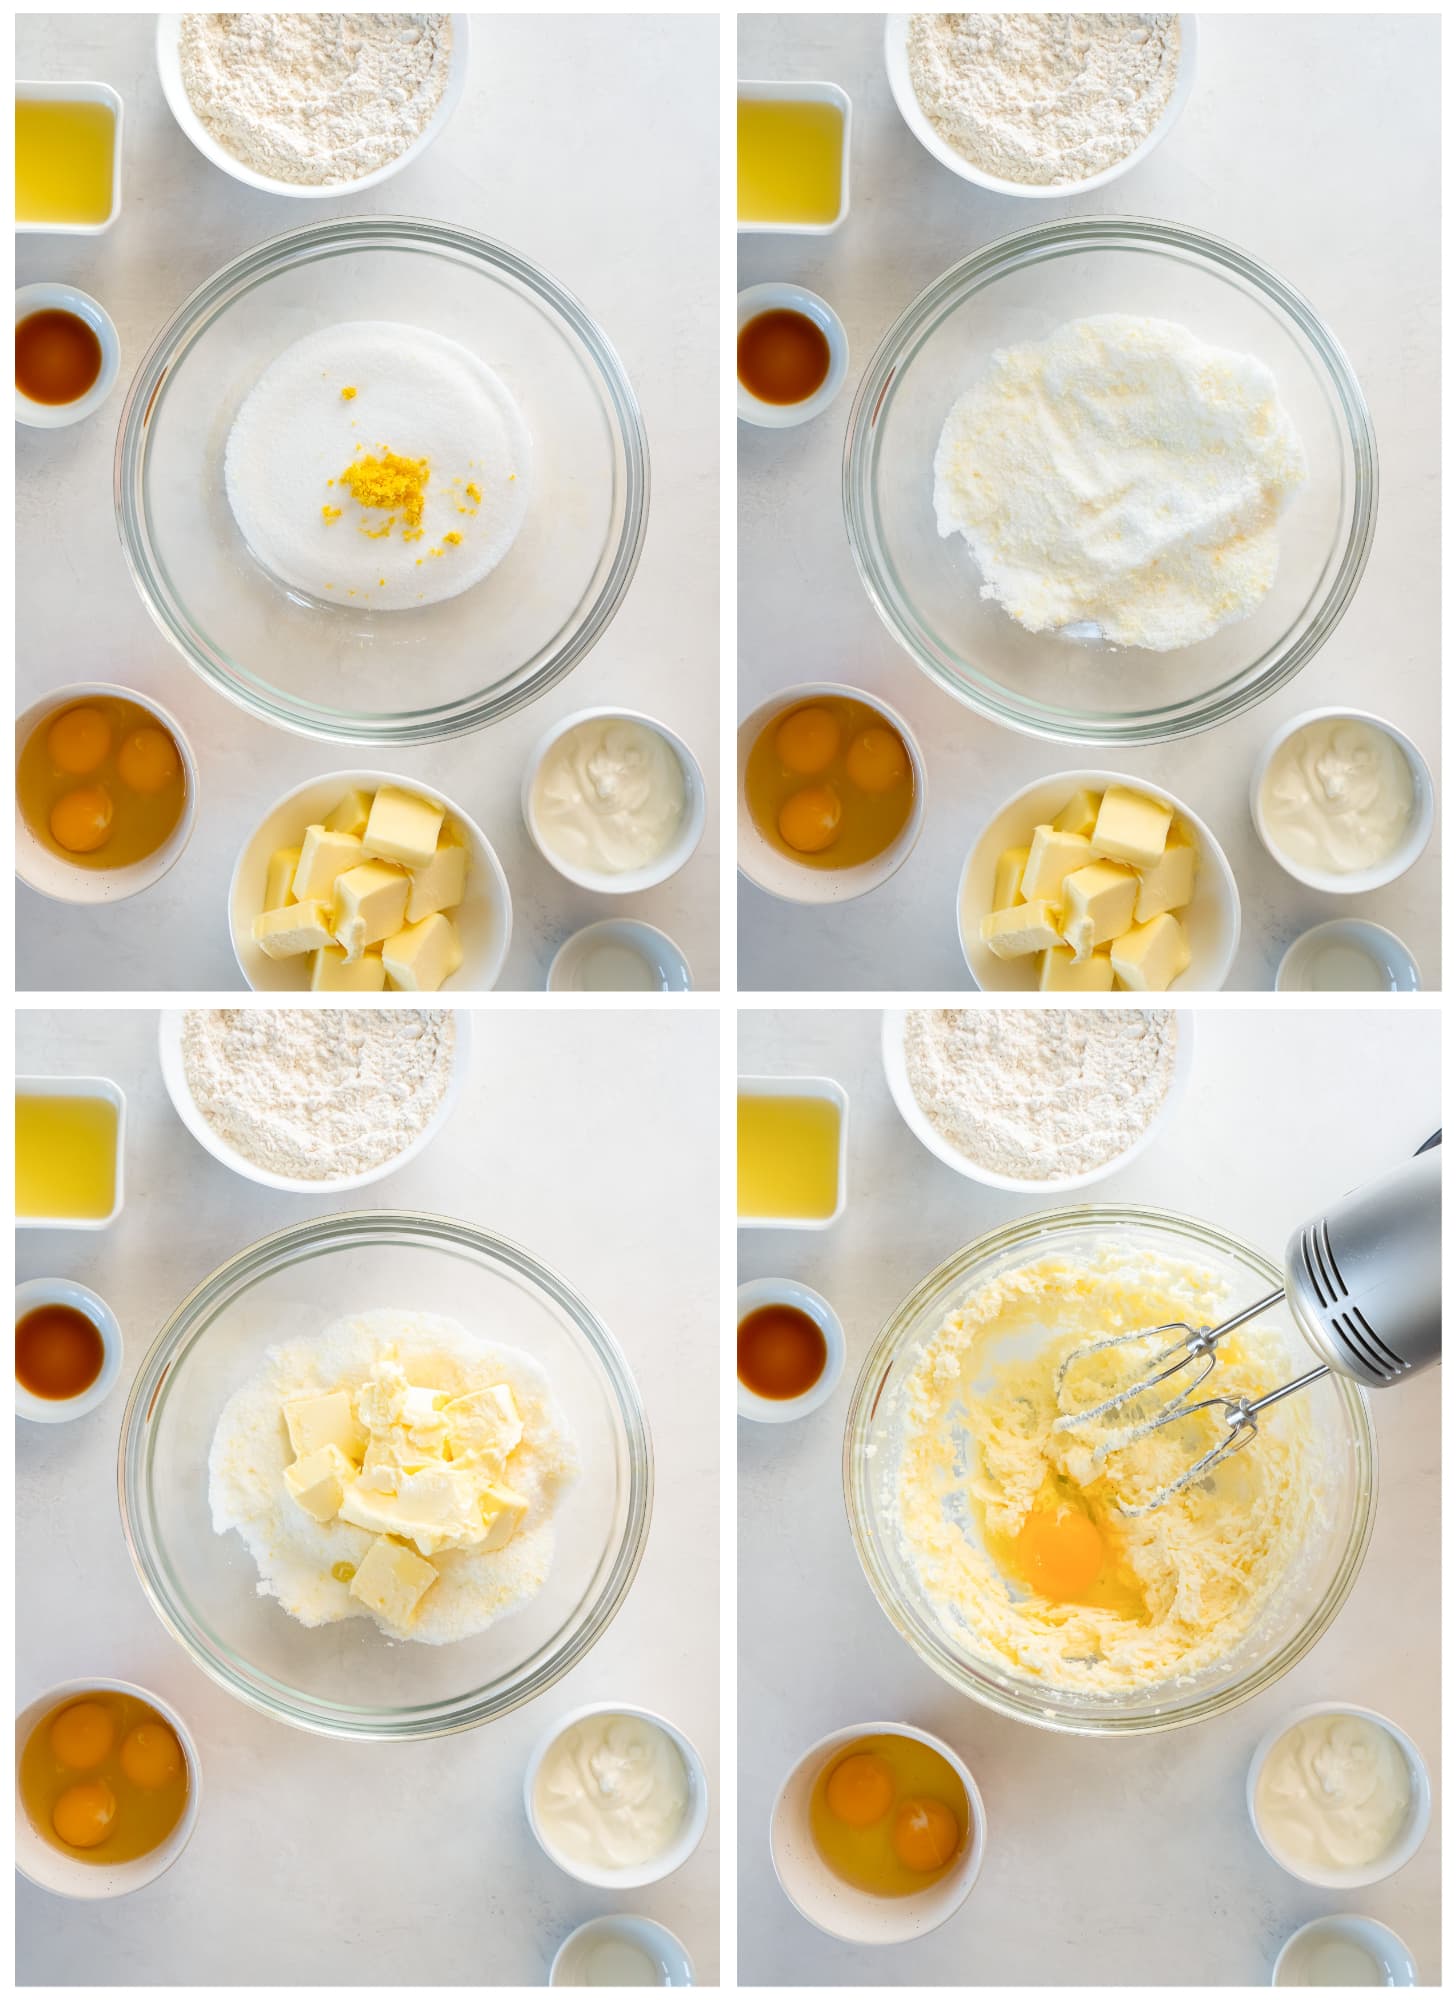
(1043,98)
(1036,1093)
(1121,479)
(315,99)
(315,1094)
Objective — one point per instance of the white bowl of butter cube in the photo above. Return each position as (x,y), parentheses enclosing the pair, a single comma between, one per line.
(1092,882)
(364,882)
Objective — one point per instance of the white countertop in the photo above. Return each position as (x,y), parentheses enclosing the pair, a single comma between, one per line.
(318,1862)
(1311,141)
(557,149)
(1107,1863)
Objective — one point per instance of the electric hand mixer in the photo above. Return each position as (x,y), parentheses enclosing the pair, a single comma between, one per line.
(1363,1282)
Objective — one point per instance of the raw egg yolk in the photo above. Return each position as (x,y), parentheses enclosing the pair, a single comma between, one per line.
(151,1756)
(81,821)
(809,821)
(806,741)
(78,740)
(83,1815)
(861,1790)
(82,1734)
(148,760)
(1062,1553)
(876,760)
(926,1835)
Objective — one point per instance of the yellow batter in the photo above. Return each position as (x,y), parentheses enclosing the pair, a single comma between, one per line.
(1014,1529)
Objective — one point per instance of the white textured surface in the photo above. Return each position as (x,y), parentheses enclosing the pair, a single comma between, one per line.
(557,149)
(435,1879)
(1238,165)
(1107,1863)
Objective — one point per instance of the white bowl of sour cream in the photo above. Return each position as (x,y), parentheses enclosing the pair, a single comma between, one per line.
(616,1796)
(614,800)
(1342,800)
(1339,1796)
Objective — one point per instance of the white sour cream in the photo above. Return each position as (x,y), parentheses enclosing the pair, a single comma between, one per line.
(610,796)
(612,1791)
(1334,1792)
(1338,795)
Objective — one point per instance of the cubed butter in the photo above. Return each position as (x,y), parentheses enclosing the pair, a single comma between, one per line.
(504,1512)
(403,827)
(1010,868)
(421,957)
(1063,972)
(1131,827)
(351,814)
(1053,856)
(1017,933)
(437,1507)
(1098,904)
(391,1580)
(324,857)
(1168,884)
(334,972)
(1079,814)
(289,933)
(369,905)
(440,884)
(1151,956)
(484,1427)
(317,1482)
(278,886)
(315,1421)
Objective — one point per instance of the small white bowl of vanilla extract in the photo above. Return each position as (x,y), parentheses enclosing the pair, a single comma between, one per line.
(67,1350)
(790,1350)
(793,355)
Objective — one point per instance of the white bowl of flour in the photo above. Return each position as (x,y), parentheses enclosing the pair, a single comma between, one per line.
(312,106)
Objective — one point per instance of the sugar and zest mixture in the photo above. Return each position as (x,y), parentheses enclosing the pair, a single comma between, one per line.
(1186,1583)
(297,1555)
(1122,479)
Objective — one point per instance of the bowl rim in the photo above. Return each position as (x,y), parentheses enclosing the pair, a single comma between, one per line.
(327,238)
(673,1856)
(1033,1708)
(1042,242)
(908,105)
(1210,848)
(866,876)
(1401,957)
(781,293)
(623,1922)
(754,1293)
(170,1022)
(1356,881)
(892,1057)
(179,1332)
(192,127)
(168,1851)
(152,867)
(364,781)
(630,881)
(1399,1852)
(33,1293)
(975,1806)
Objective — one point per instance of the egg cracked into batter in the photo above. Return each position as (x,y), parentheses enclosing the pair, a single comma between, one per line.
(1015,1530)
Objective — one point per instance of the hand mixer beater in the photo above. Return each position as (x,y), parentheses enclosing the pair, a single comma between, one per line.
(1363,1282)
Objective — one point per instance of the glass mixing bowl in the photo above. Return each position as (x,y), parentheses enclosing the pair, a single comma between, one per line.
(1344,1448)
(349,1679)
(325,669)
(927,589)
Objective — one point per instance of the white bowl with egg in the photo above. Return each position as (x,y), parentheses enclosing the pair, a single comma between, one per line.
(89,1881)
(752,1297)
(49,873)
(1403,1843)
(69,299)
(777,873)
(897,68)
(678,850)
(174,1076)
(483,920)
(679,1848)
(169,69)
(1406,852)
(621,1951)
(897,1076)
(835,1906)
(1211,921)
(30,1297)
(782,297)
